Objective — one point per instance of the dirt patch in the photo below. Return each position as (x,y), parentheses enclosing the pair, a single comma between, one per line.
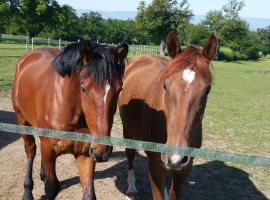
(208,180)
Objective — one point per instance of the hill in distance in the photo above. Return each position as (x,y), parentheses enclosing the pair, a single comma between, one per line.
(254,23)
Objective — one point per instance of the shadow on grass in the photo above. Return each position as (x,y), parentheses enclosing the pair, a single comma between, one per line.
(7,138)
(210,181)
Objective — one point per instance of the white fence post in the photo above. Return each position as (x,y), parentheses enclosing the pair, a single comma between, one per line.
(59,45)
(32,39)
(49,42)
(26,44)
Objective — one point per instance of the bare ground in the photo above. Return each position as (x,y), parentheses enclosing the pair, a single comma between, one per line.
(208,180)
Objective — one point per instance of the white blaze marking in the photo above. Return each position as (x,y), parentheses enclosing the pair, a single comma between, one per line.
(107,89)
(188,76)
(165,196)
(175,159)
(131,182)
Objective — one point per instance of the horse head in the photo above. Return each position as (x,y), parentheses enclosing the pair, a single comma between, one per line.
(100,71)
(187,82)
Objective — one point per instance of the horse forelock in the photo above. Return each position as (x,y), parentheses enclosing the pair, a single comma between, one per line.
(190,58)
(102,67)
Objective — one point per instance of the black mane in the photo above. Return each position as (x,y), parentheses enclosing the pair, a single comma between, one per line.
(102,68)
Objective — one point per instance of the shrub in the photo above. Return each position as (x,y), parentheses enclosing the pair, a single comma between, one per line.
(252,53)
(225,54)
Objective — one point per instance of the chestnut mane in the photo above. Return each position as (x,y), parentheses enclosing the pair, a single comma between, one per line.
(191,58)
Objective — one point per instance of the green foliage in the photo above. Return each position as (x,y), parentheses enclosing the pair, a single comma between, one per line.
(67,26)
(250,47)
(233,34)
(198,34)
(92,25)
(226,54)
(232,9)
(3,15)
(161,16)
(30,17)
(264,38)
(214,20)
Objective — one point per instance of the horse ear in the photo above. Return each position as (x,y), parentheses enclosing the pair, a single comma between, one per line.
(173,44)
(210,48)
(85,51)
(120,52)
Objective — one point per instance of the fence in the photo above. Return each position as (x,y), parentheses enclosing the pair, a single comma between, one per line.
(141,145)
(24,43)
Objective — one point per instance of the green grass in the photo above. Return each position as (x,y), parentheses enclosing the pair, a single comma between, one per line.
(237,116)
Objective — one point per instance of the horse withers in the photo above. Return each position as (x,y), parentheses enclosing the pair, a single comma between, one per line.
(164,101)
(74,90)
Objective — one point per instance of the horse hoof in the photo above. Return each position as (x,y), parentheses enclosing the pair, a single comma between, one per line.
(132,196)
(28,196)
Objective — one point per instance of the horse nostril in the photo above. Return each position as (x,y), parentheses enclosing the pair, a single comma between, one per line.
(184,160)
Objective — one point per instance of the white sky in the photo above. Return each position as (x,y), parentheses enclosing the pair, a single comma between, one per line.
(254,8)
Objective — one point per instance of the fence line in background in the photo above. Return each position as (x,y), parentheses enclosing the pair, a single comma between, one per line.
(60,44)
(205,154)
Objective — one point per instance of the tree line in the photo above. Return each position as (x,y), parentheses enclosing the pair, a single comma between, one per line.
(46,18)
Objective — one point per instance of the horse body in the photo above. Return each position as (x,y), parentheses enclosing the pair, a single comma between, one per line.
(138,116)
(163,101)
(45,101)
(55,90)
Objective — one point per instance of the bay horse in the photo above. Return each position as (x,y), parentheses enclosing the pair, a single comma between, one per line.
(164,101)
(73,90)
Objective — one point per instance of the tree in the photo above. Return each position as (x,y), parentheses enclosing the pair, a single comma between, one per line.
(250,47)
(214,20)
(68,27)
(264,38)
(117,31)
(3,15)
(198,34)
(234,33)
(160,17)
(232,9)
(92,25)
(33,15)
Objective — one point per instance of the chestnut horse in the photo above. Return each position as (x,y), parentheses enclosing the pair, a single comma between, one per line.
(74,90)
(163,101)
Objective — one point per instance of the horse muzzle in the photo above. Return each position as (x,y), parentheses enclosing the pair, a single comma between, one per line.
(175,162)
(101,157)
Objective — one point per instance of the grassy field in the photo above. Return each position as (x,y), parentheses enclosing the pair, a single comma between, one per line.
(238,111)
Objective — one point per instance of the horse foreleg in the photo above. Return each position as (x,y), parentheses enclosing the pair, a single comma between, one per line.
(132,192)
(177,183)
(48,157)
(30,150)
(86,167)
(157,176)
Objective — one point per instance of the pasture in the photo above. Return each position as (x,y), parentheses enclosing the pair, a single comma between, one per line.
(236,119)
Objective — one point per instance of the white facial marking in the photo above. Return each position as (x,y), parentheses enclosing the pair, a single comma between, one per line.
(175,159)
(107,89)
(131,182)
(188,76)
(165,196)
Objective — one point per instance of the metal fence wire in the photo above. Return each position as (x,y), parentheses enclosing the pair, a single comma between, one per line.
(205,154)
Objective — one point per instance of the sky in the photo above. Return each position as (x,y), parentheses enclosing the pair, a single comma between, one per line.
(253,8)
